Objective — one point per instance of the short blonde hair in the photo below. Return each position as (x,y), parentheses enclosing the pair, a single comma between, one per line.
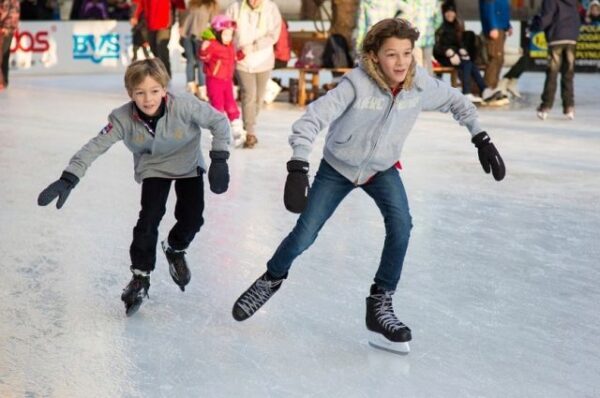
(137,71)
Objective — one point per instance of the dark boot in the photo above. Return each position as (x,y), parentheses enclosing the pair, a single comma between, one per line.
(178,267)
(256,296)
(136,291)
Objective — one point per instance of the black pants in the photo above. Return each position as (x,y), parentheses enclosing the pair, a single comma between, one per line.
(520,66)
(188,213)
(159,42)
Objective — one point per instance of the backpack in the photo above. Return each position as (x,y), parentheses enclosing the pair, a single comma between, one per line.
(475,46)
(312,55)
(337,52)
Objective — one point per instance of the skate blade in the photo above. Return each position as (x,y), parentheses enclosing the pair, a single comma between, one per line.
(376,340)
(133,307)
(175,278)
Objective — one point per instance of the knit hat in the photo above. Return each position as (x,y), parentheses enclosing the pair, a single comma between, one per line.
(448,5)
(222,22)
(594,3)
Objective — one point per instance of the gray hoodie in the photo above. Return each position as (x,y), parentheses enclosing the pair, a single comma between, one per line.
(368,126)
(174,149)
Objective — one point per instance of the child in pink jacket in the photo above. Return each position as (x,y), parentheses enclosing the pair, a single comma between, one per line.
(219,56)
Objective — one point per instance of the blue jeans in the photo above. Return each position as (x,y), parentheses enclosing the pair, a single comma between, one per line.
(328,190)
(193,64)
(466,70)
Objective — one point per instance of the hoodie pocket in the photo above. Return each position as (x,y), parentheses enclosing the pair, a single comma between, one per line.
(349,149)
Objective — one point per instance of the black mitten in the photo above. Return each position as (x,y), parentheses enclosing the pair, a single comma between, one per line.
(488,156)
(218,172)
(296,186)
(61,188)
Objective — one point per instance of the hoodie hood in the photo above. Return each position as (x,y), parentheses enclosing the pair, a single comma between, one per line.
(374,72)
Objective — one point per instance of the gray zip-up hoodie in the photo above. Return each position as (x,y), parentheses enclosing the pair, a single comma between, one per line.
(172,151)
(368,126)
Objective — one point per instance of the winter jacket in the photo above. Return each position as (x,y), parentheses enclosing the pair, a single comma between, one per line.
(219,60)
(560,21)
(156,12)
(173,151)
(198,19)
(446,38)
(257,32)
(9,14)
(283,48)
(426,16)
(372,11)
(495,14)
(368,125)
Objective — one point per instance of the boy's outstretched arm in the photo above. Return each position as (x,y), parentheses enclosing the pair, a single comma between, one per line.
(444,98)
(80,162)
(208,117)
(318,116)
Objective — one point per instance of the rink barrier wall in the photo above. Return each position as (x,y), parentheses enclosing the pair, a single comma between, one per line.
(78,47)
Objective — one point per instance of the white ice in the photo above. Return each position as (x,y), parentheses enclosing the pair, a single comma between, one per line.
(500,284)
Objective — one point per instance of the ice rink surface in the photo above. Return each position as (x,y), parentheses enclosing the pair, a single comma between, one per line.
(501,285)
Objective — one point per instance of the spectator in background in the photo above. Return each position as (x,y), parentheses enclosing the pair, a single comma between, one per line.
(495,22)
(9,22)
(36,10)
(372,11)
(283,50)
(559,19)
(258,28)
(199,15)
(159,19)
(593,13)
(94,9)
(426,17)
(139,35)
(119,10)
(449,50)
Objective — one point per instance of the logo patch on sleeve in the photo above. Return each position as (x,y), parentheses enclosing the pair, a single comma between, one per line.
(106,129)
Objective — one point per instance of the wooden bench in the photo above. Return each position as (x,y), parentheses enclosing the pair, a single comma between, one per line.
(312,76)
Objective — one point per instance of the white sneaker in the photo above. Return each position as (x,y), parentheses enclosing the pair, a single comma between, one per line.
(191,88)
(513,87)
(570,114)
(473,98)
(488,93)
(202,93)
(503,86)
(238,132)
(542,113)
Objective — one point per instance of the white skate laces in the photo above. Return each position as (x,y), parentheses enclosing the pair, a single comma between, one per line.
(257,295)
(385,313)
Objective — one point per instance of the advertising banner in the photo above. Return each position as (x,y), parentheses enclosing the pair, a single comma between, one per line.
(66,47)
(587,53)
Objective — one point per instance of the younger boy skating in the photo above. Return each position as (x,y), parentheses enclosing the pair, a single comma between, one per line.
(162,131)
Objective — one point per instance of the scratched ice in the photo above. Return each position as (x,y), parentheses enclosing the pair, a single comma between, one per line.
(499,285)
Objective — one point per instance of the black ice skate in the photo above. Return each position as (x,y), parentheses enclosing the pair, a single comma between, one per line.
(386,331)
(136,290)
(255,297)
(178,267)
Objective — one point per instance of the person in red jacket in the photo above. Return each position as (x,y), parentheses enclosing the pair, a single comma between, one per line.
(219,56)
(157,14)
